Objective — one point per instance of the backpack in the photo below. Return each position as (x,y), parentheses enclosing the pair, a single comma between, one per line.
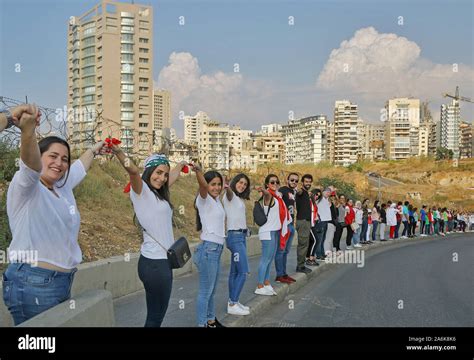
(259,216)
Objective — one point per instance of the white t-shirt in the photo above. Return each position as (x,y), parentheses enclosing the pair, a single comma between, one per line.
(40,221)
(212,216)
(273,222)
(155,216)
(235,213)
(324,209)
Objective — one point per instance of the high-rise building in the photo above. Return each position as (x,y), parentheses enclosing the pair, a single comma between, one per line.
(161,109)
(448,130)
(330,142)
(401,128)
(193,126)
(213,145)
(271,128)
(346,144)
(305,140)
(110,57)
(371,140)
(465,143)
(261,149)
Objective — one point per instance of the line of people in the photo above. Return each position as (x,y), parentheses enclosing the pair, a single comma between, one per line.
(43,217)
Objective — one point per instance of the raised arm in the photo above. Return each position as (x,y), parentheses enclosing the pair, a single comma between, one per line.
(29,149)
(228,191)
(267,197)
(88,155)
(175,172)
(132,169)
(201,181)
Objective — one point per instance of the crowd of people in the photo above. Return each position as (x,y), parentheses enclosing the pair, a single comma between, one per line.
(43,217)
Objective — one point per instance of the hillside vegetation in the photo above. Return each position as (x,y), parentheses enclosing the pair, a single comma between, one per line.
(107,226)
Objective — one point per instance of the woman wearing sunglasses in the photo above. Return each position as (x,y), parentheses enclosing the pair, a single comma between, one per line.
(273,233)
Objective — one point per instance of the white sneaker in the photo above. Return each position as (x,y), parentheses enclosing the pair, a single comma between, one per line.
(243,306)
(349,247)
(236,310)
(269,287)
(357,245)
(263,291)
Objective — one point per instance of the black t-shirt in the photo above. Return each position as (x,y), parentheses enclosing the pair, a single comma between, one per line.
(303,206)
(383,216)
(288,196)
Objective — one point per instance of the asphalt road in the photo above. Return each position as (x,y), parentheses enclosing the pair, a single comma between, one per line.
(418,285)
(374,181)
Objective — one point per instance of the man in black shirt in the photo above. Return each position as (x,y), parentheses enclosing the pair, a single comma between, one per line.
(303,222)
(288,195)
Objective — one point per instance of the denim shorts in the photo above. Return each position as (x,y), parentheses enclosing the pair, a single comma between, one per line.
(29,290)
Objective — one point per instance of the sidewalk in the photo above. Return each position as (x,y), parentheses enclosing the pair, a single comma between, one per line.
(130,310)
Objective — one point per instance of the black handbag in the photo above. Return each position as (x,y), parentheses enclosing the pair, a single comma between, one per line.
(259,216)
(178,254)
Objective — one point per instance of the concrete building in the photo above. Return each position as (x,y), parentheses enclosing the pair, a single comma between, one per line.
(423,140)
(271,128)
(193,126)
(330,143)
(213,145)
(449,125)
(164,139)
(466,140)
(371,140)
(161,109)
(401,128)
(346,144)
(305,140)
(261,150)
(110,72)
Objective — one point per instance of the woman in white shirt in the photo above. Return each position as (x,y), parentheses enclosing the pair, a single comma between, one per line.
(44,221)
(234,205)
(151,202)
(273,233)
(210,220)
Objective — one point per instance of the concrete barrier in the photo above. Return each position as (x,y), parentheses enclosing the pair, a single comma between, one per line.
(119,275)
(93,308)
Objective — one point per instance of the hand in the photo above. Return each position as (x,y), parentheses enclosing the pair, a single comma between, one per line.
(99,148)
(226,182)
(195,167)
(19,110)
(27,119)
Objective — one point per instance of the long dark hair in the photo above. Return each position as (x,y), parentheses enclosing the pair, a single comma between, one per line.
(246,193)
(44,145)
(162,193)
(208,176)
(267,179)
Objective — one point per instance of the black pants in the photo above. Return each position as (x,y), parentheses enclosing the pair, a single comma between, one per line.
(337,235)
(350,234)
(157,278)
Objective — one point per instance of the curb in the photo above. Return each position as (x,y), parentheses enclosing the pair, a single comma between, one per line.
(260,304)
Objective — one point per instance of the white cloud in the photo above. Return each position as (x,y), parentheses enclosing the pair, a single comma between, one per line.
(381,66)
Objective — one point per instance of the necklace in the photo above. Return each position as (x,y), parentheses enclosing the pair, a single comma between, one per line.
(49,188)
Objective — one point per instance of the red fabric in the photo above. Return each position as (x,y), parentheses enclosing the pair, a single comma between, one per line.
(283,214)
(314,212)
(392,232)
(126,189)
(350,217)
(185,169)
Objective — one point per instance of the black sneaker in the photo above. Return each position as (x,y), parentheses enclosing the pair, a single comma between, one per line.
(303,269)
(215,324)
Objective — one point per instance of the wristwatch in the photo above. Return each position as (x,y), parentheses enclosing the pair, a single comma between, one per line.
(9,116)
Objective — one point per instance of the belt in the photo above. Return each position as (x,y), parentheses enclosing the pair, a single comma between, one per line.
(240,230)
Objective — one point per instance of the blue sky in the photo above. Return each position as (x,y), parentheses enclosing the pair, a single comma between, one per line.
(254,34)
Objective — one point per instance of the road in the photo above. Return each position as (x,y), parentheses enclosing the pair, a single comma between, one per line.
(374,181)
(420,285)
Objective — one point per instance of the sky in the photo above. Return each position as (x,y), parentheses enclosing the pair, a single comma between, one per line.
(294,58)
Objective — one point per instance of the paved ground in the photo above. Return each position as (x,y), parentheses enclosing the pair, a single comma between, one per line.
(421,275)
(434,289)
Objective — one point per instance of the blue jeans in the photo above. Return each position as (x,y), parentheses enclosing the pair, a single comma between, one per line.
(363,232)
(268,254)
(397,229)
(322,236)
(29,290)
(356,235)
(405,228)
(239,266)
(375,224)
(207,258)
(282,255)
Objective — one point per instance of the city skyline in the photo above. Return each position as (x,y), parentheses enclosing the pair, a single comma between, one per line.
(290,58)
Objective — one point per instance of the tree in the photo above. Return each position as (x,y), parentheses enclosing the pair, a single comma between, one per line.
(444,154)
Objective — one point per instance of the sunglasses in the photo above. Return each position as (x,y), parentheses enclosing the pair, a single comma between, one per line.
(275,182)
(293,180)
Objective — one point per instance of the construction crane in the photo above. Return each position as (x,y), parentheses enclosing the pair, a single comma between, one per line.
(457,97)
